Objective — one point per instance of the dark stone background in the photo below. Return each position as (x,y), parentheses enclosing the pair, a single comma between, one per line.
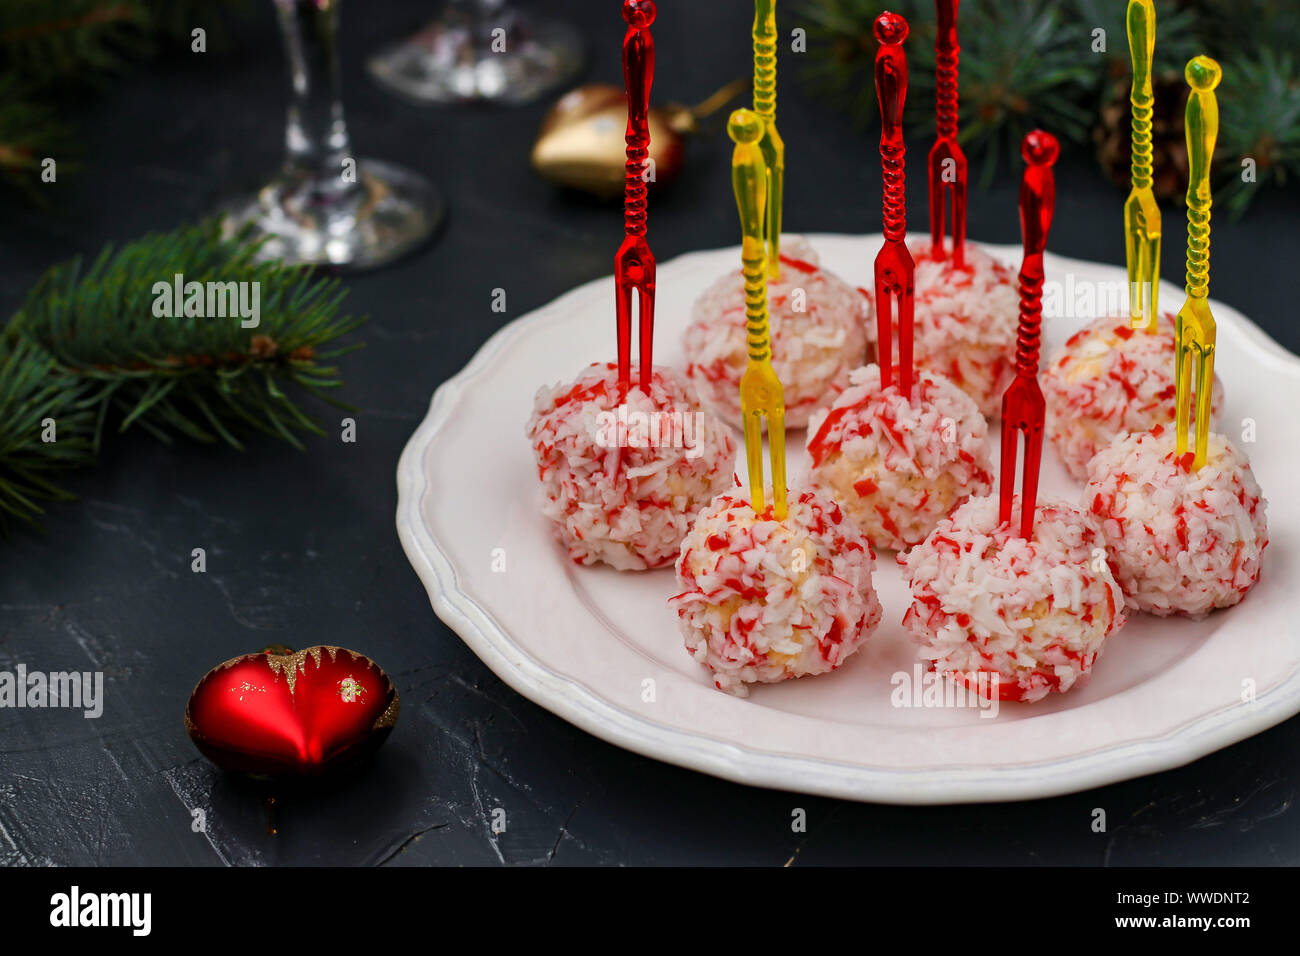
(301,546)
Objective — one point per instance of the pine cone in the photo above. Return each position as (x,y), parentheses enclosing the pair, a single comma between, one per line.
(1112,134)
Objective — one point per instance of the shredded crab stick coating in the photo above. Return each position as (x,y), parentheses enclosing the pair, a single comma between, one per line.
(819,328)
(898,464)
(1034,612)
(765,600)
(1111,378)
(626,494)
(965,322)
(1181,541)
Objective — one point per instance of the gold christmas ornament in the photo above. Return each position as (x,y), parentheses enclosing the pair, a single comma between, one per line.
(580,144)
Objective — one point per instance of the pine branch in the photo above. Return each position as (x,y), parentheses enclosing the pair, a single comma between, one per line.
(29,132)
(203,377)
(1029,63)
(46,44)
(1021,68)
(46,41)
(1261,93)
(1228,27)
(1177,32)
(47,418)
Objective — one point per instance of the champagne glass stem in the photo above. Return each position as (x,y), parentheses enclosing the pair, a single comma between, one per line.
(316,135)
(326,207)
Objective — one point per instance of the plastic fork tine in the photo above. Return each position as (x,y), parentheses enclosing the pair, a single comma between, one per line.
(1023,407)
(1142,226)
(761,394)
(894,292)
(894,269)
(634,264)
(1195,331)
(772,146)
(753,415)
(947,161)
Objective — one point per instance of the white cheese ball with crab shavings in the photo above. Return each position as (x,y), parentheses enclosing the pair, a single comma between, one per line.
(965,322)
(820,329)
(1031,614)
(1180,541)
(898,463)
(763,600)
(623,480)
(1111,378)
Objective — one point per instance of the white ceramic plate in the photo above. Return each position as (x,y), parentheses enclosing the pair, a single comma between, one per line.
(590,644)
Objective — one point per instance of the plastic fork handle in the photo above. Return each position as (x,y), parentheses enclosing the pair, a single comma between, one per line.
(1037,205)
(749,183)
(1022,404)
(946,148)
(638,76)
(1141,45)
(764,35)
(946,57)
(760,390)
(1202,129)
(1195,331)
(635,263)
(891,91)
(1141,214)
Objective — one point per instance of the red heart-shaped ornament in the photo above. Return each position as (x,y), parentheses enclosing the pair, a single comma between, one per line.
(292,714)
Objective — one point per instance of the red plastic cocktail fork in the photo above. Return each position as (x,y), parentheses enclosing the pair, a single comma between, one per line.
(894,267)
(1022,403)
(634,265)
(947,162)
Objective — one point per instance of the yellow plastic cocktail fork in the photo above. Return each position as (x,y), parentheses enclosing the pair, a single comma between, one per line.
(773,148)
(761,393)
(1141,214)
(1195,330)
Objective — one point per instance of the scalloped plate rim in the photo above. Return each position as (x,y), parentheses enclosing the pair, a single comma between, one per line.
(579,705)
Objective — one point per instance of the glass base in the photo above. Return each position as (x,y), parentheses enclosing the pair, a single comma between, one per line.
(452,60)
(389,212)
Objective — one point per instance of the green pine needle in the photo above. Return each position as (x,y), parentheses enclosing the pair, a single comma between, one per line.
(1005,91)
(47,41)
(1261,95)
(29,133)
(46,45)
(47,418)
(1177,38)
(1030,64)
(201,377)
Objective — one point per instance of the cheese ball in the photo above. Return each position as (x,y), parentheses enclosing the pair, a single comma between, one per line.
(820,329)
(623,480)
(965,322)
(1110,378)
(1181,541)
(897,463)
(1032,614)
(763,600)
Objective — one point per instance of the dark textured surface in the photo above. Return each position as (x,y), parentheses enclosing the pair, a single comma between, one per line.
(301,547)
